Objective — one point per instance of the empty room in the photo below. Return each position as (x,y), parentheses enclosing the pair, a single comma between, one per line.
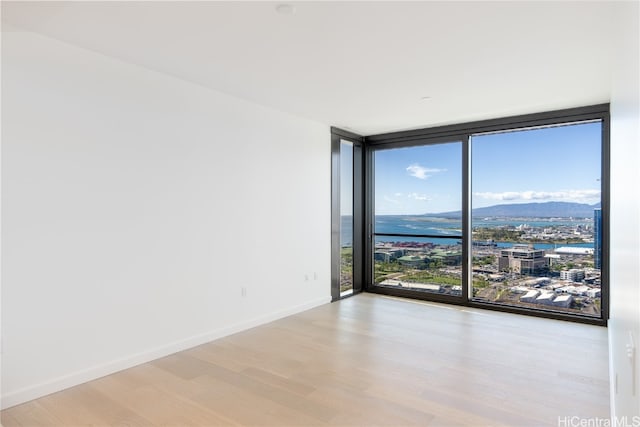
(320,213)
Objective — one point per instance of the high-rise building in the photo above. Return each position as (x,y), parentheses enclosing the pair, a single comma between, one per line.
(597,238)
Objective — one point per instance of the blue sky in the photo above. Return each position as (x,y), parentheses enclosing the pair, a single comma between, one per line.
(538,165)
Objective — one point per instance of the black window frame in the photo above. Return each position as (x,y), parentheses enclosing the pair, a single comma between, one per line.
(463,299)
(463,132)
(337,136)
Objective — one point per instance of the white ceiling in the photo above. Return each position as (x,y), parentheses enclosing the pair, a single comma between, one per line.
(363,66)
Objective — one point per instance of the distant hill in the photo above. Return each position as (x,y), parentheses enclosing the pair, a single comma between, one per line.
(536,210)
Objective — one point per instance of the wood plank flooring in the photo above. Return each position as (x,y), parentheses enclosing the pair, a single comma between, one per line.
(368,360)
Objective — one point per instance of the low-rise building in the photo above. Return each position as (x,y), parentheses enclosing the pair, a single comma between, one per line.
(582,290)
(446,257)
(573,290)
(556,286)
(569,250)
(382,256)
(523,259)
(594,293)
(545,298)
(530,296)
(536,282)
(563,301)
(569,289)
(574,274)
(412,260)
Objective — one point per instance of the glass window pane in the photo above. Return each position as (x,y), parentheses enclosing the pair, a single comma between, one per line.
(420,264)
(536,218)
(424,181)
(418,192)
(346,217)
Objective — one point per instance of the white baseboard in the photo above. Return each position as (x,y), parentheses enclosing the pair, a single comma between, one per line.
(79,377)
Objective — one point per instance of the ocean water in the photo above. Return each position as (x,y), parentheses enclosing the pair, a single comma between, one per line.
(407,224)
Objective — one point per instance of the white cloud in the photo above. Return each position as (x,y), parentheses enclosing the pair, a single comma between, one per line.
(416,196)
(576,195)
(421,172)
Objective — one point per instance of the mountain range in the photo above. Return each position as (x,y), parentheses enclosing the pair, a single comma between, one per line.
(533,210)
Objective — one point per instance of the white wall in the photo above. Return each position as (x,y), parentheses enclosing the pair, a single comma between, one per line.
(625,216)
(134,208)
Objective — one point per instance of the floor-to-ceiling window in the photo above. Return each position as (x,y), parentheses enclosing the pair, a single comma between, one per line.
(508,214)
(418,222)
(536,201)
(347,218)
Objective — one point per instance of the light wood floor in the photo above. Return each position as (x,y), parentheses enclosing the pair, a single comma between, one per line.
(365,361)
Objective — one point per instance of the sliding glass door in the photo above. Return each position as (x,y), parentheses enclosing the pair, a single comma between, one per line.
(509,214)
(418,219)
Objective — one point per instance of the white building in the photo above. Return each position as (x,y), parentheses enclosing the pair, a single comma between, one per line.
(545,298)
(530,296)
(594,293)
(574,274)
(582,290)
(563,301)
(566,290)
(568,250)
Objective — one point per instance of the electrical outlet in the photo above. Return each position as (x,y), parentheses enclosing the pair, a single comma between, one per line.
(243,291)
(631,348)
